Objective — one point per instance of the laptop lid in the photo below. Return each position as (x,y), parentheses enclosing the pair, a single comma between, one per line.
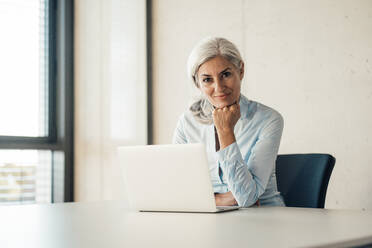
(167,177)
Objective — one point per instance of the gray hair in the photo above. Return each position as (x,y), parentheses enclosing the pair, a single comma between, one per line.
(205,50)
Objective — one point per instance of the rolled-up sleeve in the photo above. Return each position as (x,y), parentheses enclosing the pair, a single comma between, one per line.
(248,181)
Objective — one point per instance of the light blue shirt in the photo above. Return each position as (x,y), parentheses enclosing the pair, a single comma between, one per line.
(247,165)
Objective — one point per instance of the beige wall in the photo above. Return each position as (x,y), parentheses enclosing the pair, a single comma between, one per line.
(310,60)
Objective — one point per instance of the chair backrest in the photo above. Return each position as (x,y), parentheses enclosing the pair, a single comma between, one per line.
(303,178)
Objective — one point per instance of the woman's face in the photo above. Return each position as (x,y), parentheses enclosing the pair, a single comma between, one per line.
(219,80)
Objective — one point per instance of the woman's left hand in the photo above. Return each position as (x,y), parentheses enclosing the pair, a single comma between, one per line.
(225,199)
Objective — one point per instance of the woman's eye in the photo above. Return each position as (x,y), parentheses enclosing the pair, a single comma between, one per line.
(226,74)
(206,80)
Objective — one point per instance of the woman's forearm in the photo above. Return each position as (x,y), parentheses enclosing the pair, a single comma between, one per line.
(226,138)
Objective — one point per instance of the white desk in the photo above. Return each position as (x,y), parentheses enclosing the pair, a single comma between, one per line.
(109,224)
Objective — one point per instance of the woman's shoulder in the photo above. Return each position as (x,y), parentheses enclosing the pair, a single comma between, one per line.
(255,110)
(187,119)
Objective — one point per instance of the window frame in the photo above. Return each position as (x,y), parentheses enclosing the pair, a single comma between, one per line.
(60,98)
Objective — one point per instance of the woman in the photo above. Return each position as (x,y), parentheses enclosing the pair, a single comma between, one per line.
(242,137)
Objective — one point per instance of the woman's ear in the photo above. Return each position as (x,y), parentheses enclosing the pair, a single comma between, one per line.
(241,74)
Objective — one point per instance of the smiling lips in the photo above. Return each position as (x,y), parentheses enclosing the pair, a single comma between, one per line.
(222,96)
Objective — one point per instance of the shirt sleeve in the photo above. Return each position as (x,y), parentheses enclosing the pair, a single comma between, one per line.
(248,181)
(179,133)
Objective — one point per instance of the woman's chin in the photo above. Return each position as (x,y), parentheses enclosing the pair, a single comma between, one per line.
(222,104)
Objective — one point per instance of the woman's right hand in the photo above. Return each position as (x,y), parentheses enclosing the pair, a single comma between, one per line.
(224,120)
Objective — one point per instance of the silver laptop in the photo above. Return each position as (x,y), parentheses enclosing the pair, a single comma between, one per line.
(168,178)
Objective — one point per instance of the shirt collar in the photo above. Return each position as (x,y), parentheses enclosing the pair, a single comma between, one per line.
(244,106)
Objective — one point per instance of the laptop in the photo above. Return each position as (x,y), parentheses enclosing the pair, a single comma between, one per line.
(168,178)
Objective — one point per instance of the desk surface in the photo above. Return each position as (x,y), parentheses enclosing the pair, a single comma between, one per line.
(109,224)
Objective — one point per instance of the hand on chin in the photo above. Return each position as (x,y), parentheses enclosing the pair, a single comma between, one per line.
(222,104)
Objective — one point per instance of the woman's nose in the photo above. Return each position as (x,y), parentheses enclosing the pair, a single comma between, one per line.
(219,86)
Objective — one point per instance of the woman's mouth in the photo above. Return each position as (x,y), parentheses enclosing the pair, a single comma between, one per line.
(222,96)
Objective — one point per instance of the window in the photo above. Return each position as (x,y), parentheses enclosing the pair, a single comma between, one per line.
(25,176)
(24,62)
(36,101)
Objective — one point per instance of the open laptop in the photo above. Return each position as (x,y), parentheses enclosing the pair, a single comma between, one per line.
(169,178)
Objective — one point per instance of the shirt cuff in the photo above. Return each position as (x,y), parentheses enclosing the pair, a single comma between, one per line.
(229,154)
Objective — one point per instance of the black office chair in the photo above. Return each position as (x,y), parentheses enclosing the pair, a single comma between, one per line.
(303,178)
